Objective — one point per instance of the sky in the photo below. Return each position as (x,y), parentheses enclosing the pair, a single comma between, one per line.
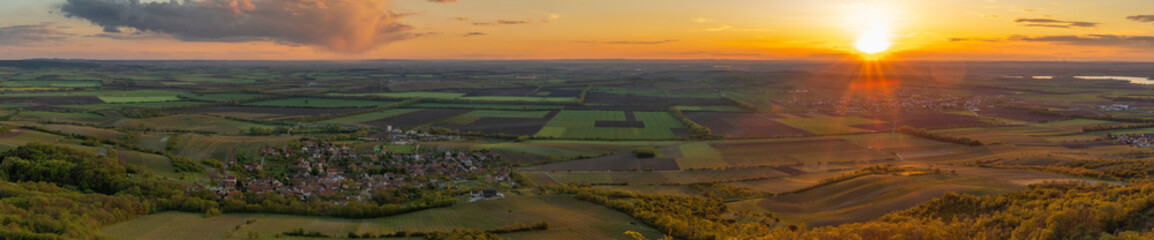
(1022,30)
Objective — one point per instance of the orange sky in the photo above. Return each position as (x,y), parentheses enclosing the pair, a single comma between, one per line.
(1118,30)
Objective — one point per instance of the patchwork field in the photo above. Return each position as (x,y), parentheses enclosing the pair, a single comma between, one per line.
(266,113)
(195,146)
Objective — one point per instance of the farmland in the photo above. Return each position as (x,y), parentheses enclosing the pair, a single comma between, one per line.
(795,142)
(319,103)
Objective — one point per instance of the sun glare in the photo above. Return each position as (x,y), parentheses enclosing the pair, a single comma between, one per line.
(873,41)
(872,23)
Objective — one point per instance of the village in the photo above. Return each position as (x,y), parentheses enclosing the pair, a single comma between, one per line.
(338,173)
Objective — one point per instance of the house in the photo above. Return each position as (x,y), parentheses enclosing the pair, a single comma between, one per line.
(488,193)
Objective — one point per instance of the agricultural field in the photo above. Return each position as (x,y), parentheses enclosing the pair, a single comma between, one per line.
(189,122)
(487,106)
(869,197)
(568,218)
(320,103)
(460,96)
(223,97)
(110,99)
(265,113)
(368,117)
(196,146)
(67,117)
(597,124)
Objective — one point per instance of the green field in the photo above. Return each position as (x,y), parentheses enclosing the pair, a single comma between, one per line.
(320,103)
(367,117)
(582,124)
(506,114)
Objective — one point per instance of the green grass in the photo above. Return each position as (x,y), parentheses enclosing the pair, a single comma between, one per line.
(487,106)
(584,118)
(160,165)
(370,116)
(507,114)
(658,120)
(320,102)
(656,93)
(555,132)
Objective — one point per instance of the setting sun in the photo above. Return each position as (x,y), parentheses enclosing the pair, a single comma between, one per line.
(873,41)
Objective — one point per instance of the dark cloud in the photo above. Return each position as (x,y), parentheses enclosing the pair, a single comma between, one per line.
(1091,40)
(348,26)
(1141,18)
(1053,23)
(443,1)
(462,19)
(32,34)
(474,34)
(503,22)
(630,42)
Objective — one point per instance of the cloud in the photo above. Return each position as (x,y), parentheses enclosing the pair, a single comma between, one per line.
(461,19)
(1091,40)
(1053,23)
(504,22)
(1028,10)
(701,20)
(346,26)
(32,34)
(630,42)
(473,34)
(1141,18)
(443,1)
(989,16)
(975,40)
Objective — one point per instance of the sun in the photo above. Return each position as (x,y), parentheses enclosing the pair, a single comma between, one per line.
(873,25)
(873,41)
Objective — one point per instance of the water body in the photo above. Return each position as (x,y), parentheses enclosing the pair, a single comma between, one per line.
(1134,80)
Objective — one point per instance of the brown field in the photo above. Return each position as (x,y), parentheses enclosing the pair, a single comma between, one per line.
(515,126)
(744,124)
(617,162)
(417,118)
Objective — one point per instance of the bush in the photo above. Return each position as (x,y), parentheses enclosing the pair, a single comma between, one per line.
(645,152)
